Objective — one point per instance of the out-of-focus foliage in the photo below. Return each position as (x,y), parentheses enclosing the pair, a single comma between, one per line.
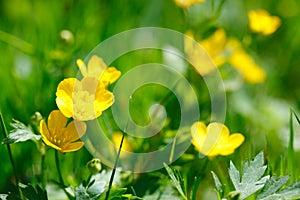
(40,42)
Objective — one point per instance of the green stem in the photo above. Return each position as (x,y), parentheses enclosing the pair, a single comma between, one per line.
(61,180)
(115,167)
(43,175)
(4,130)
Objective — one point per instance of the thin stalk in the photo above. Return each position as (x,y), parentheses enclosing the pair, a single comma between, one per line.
(61,180)
(16,42)
(4,130)
(115,167)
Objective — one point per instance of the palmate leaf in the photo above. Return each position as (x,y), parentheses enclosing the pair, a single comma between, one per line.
(97,185)
(20,133)
(272,186)
(252,177)
(271,192)
(163,193)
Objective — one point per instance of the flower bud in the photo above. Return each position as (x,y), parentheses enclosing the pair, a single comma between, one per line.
(94,166)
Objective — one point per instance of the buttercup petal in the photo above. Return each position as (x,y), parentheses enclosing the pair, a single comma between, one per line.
(199,132)
(44,130)
(69,147)
(56,120)
(82,67)
(64,99)
(74,131)
(103,99)
(96,66)
(110,75)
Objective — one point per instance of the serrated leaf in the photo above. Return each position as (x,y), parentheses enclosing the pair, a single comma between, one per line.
(177,180)
(272,186)
(217,183)
(97,185)
(32,193)
(20,133)
(252,177)
(166,193)
(289,193)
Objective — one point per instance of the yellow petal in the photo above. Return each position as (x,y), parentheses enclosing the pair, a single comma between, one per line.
(199,132)
(110,75)
(44,130)
(64,96)
(82,67)
(96,66)
(56,120)
(75,130)
(72,147)
(103,99)
(216,132)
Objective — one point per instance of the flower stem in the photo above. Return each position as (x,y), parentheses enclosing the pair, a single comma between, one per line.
(43,175)
(10,154)
(115,166)
(61,180)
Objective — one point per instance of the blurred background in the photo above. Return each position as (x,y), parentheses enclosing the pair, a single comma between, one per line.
(41,40)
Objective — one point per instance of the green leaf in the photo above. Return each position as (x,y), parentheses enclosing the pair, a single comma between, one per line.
(20,133)
(272,186)
(217,183)
(289,193)
(3,196)
(166,193)
(97,185)
(177,181)
(297,118)
(252,179)
(32,193)
(115,193)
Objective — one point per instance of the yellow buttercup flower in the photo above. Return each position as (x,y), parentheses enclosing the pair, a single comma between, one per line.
(98,69)
(221,50)
(260,21)
(60,135)
(87,98)
(84,99)
(197,55)
(215,139)
(187,3)
(251,72)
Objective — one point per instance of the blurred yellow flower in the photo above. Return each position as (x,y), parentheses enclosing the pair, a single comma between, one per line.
(187,3)
(60,135)
(87,98)
(197,55)
(117,137)
(98,69)
(221,50)
(84,99)
(215,139)
(215,46)
(260,21)
(251,72)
